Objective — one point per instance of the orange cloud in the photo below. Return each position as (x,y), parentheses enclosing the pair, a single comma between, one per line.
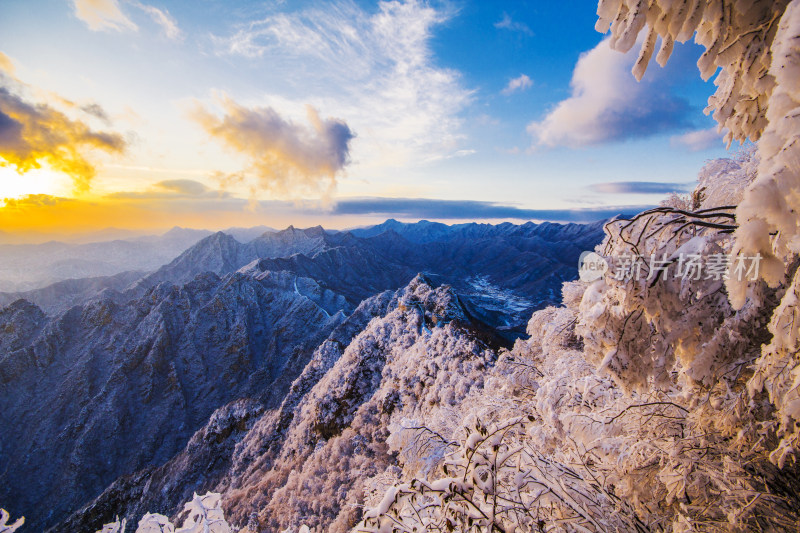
(287,158)
(35,133)
(6,65)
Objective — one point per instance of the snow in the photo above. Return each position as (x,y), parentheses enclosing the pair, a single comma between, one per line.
(496,298)
(205,515)
(383,507)
(155,523)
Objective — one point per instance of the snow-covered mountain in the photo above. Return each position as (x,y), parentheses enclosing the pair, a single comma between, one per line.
(62,295)
(221,253)
(393,358)
(128,392)
(105,389)
(479,260)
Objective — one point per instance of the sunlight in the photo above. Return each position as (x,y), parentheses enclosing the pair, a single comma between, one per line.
(38,181)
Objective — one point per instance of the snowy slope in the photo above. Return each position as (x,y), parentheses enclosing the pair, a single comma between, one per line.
(394,358)
(106,388)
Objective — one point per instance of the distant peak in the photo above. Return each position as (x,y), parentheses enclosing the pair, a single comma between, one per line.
(315,231)
(219,236)
(180,230)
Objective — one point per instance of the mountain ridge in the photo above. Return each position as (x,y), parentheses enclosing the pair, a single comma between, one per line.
(344,381)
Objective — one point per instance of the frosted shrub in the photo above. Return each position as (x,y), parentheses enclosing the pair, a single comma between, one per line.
(723,182)
(638,319)
(155,523)
(495,481)
(205,515)
(587,456)
(683,355)
(522,472)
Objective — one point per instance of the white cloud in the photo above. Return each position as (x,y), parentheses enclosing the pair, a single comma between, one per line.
(163,19)
(608,104)
(698,140)
(103,15)
(453,155)
(375,70)
(520,83)
(507,23)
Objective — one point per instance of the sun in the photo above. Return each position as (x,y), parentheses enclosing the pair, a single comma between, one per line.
(37,181)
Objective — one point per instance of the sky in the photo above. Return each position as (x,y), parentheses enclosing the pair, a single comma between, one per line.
(212,114)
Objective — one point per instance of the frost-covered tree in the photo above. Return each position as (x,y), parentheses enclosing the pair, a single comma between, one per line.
(589,456)
(738,36)
(756,45)
(203,515)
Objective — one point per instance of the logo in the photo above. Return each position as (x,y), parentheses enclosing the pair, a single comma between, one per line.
(591,267)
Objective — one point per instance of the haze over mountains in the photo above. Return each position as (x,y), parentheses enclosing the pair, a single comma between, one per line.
(24,267)
(136,387)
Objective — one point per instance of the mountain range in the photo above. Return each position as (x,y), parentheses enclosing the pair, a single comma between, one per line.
(235,360)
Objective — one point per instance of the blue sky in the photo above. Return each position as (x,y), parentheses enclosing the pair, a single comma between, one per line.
(224,112)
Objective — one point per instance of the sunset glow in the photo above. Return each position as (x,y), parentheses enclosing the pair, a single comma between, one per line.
(36,181)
